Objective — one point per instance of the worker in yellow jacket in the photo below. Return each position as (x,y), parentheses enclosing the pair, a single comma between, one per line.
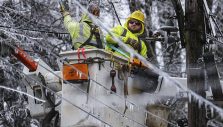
(129,34)
(84,33)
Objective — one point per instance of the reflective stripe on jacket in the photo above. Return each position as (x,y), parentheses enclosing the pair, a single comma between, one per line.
(81,31)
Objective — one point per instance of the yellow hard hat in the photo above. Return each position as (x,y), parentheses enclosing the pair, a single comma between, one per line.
(138,15)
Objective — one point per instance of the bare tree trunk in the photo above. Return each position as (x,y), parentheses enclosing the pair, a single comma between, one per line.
(180,16)
(148,32)
(194,23)
(148,8)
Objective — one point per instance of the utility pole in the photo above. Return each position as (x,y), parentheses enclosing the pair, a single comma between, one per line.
(195,39)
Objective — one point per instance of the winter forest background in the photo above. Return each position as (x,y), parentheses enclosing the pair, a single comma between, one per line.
(37,27)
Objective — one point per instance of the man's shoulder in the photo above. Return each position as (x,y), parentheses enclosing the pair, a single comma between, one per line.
(119,28)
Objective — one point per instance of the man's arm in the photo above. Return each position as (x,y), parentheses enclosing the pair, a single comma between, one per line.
(117,32)
(70,25)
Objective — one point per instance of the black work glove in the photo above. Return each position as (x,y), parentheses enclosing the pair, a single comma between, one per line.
(134,43)
(156,34)
(64,7)
(95,30)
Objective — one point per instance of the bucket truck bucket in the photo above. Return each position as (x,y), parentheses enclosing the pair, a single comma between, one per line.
(94,103)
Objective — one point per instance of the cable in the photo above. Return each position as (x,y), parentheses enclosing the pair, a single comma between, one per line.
(54,92)
(109,91)
(21,92)
(17,15)
(180,87)
(93,97)
(74,86)
(116,14)
(41,31)
(31,21)
(217,25)
(214,39)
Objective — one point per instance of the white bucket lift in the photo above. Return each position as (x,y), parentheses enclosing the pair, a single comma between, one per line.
(96,105)
(34,88)
(101,105)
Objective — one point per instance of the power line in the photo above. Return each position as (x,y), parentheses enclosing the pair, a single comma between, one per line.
(36,81)
(41,31)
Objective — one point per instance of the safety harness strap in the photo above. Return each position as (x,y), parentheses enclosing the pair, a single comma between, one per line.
(124,32)
(140,45)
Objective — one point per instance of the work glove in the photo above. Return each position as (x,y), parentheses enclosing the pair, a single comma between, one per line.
(96,31)
(64,7)
(156,34)
(134,43)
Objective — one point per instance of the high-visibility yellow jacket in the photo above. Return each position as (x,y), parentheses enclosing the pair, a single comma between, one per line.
(81,31)
(118,32)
